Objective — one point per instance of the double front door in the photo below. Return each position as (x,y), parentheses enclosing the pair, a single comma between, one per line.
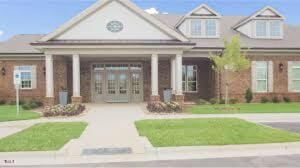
(115,83)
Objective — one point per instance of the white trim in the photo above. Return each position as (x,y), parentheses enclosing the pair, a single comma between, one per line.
(99,4)
(290,76)
(270,76)
(154,75)
(186,80)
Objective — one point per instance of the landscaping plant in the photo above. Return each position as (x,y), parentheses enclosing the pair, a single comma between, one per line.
(231,62)
(60,110)
(276,99)
(286,99)
(161,107)
(264,100)
(249,95)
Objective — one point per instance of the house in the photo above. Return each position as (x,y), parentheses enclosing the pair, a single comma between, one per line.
(115,52)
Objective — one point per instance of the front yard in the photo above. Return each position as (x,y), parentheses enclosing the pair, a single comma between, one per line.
(8,113)
(245,108)
(199,132)
(42,137)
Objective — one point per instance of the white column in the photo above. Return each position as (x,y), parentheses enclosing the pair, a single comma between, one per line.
(154,74)
(173,75)
(76,76)
(178,74)
(49,76)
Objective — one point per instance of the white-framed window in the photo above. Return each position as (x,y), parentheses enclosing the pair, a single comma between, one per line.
(294,76)
(189,78)
(261,76)
(268,29)
(211,28)
(196,27)
(204,28)
(28,76)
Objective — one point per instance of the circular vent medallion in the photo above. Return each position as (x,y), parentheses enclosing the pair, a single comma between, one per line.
(114,26)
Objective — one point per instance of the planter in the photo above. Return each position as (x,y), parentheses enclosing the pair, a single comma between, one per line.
(63,98)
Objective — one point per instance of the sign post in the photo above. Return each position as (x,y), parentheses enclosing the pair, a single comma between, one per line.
(17,82)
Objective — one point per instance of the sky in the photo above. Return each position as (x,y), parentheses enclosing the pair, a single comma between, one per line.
(44,16)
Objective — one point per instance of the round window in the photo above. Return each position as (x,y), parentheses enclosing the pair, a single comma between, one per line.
(114,26)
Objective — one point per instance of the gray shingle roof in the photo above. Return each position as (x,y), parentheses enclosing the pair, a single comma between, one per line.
(21,43)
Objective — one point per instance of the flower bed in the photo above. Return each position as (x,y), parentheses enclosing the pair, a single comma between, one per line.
(59,110)
(161,107)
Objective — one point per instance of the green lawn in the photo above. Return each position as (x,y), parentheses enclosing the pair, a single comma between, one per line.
(199,132)
(9,113)
(245,108)
(42,137)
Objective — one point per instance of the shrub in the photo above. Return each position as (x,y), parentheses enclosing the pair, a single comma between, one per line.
(26,107)
(35,104)
(249,95)
(59,110)
(222,101)
(202,102)
(2,102)
(213,101)
(264,100)
(276,100)
(22,102)
(160,107)
(12,102)
(233,101)
(286,99)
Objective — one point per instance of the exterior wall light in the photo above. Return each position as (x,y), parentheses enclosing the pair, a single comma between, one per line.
(3,71)
(281,66)
(44,70)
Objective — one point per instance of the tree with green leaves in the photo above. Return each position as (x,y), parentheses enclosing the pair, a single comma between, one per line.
(231,61)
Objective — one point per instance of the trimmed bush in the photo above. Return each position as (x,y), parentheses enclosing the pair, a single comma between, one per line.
(233,101)
(222,101)
(276,100)
(2,102)
(264,100)
(35,104)
(213,101)
(249,95)
(202,102)
(26,107)
(161,107)
(287,99)
(59,110)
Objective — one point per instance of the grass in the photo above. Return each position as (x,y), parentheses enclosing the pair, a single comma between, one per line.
(9,113)
(199,132)
(42,137)
(245,108)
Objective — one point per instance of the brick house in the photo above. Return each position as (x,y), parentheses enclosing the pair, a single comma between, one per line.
(115,52)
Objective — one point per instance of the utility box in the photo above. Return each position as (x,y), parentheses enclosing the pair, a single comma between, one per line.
(63,98)
(167,95)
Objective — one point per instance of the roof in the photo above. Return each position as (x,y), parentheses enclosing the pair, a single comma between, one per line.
(21,43)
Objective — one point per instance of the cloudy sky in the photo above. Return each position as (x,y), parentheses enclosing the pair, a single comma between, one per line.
(43,16)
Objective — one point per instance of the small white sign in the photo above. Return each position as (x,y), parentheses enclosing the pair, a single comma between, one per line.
(17,77)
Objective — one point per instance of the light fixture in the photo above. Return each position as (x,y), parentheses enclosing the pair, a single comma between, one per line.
(44,70)
(3,71)
(281,66)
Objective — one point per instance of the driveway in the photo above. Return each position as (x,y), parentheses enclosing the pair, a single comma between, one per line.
(289,126)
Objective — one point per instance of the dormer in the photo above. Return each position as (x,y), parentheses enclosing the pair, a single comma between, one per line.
(266,23)
(202,22)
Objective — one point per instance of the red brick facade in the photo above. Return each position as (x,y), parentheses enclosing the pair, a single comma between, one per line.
(210,84)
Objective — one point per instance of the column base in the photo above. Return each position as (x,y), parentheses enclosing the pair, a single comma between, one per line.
(179,99)
(76,100)
(155,98)
(49,101)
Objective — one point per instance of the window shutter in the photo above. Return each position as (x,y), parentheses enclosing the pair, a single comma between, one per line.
(253,76)
(290,65)
(270,76)
(34,77)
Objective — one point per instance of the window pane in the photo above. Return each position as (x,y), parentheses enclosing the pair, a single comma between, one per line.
(296,73)
(183,73)
(261,28)
(25,75)
(296,64)
(261,86)
(196,27)
(261,70)
(275,28)
(211,27)
(183,87)
(296,85)
(192,86)
(25,68)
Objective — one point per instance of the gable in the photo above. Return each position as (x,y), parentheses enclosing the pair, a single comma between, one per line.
(203,11)
(91,23)
(267,13)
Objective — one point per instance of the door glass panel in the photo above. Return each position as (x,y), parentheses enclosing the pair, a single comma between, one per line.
(111,83)
(123,84)
(135,83)
(98,83)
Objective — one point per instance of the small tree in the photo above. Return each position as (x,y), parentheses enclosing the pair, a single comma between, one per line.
(249,95)
(231,61)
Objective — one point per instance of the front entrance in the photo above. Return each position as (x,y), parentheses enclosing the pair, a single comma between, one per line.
(117,83)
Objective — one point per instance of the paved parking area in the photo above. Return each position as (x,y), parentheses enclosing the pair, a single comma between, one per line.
(292,127)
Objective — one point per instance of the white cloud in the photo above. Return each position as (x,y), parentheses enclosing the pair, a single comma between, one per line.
(152,11)
(1,32)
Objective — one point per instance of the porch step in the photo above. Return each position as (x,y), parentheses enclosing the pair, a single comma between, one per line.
(106,151)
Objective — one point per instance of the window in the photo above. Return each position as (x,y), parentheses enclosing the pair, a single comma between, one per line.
(268,29)
(196,27)
(261,28)
(261,76)
(26,76)
(275,29)
(189,78)
(295,76)
(211,27)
